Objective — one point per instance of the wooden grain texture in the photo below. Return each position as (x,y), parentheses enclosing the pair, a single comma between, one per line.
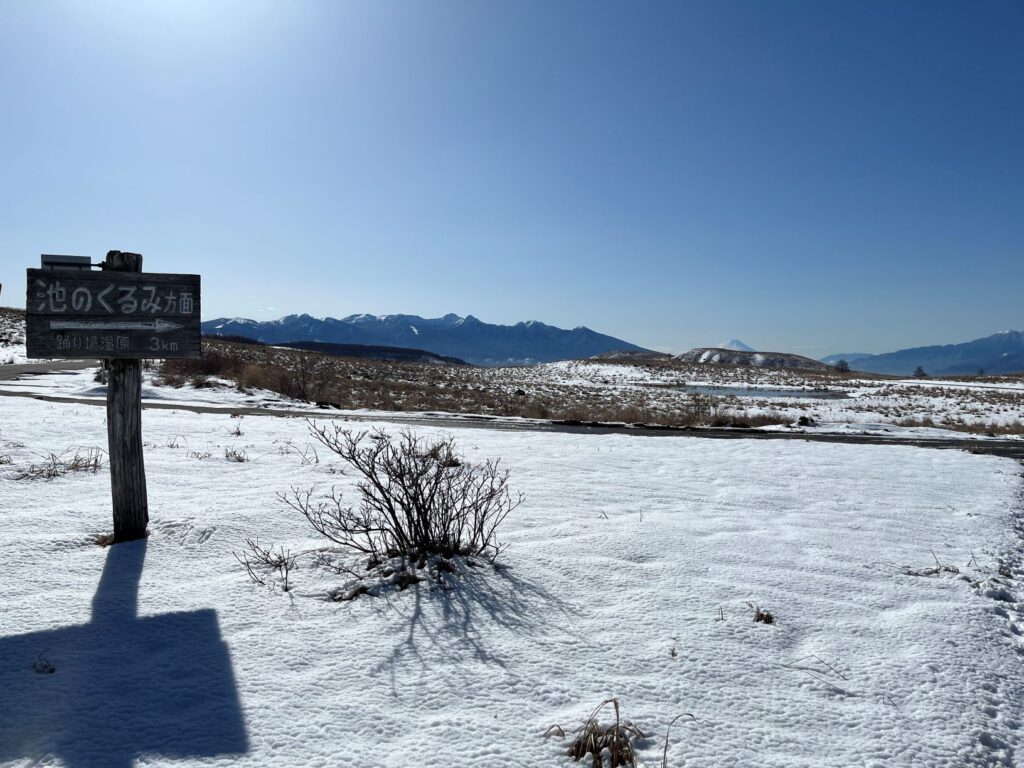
(124,442)
(44,341)
(74,314)
(124,432)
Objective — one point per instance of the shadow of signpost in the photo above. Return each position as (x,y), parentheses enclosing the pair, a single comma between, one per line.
(121,686)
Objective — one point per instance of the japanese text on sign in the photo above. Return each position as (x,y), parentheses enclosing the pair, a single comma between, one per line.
(53,297)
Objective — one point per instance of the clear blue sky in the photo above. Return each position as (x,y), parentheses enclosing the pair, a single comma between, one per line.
(811,176)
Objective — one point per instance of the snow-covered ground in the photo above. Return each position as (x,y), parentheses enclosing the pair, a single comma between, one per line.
(224,394)
(786,393)
(12,353)
(628,574)
(882,429)
(83,384)
(12,336)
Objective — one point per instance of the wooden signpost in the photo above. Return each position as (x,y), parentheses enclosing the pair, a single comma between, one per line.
(121,314)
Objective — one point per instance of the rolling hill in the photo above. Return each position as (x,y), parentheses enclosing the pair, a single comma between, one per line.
(722,356)
(998,353)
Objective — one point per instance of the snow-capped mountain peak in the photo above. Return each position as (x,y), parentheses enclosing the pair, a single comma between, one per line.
(736,345)
(466,338)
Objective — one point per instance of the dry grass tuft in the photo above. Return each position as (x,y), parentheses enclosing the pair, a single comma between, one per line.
(239,456)
(761,616)
(42,665)
(595,740)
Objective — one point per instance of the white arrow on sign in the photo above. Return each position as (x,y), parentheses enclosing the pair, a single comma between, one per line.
(157,326)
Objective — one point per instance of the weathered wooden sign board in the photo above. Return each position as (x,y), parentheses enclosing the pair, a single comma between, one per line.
(78,314)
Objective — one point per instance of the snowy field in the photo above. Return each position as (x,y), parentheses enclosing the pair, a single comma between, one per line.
(12,337)
(629,572)
(83,384)
(892,408)
(11,354)
(787,393)
(220,393)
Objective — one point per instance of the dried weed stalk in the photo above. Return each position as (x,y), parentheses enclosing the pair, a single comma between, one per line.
(668,730)
(56,465)
(260,562)
(936,571)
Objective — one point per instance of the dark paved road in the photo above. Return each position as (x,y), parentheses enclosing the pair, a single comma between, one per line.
(8,372)
(1013,449)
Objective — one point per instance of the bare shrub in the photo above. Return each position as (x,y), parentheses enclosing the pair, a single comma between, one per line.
(261,562)
(214,362)
(56,465)
(419,500)
(171,378)
(296,383)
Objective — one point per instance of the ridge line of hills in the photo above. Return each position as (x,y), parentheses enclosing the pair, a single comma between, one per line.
(474,341)
(1001,352)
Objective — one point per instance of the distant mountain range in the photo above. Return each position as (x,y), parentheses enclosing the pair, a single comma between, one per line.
(466,338)
(998,353)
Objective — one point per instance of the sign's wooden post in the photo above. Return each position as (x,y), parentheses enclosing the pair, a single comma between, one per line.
(121,314)
(124,429)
